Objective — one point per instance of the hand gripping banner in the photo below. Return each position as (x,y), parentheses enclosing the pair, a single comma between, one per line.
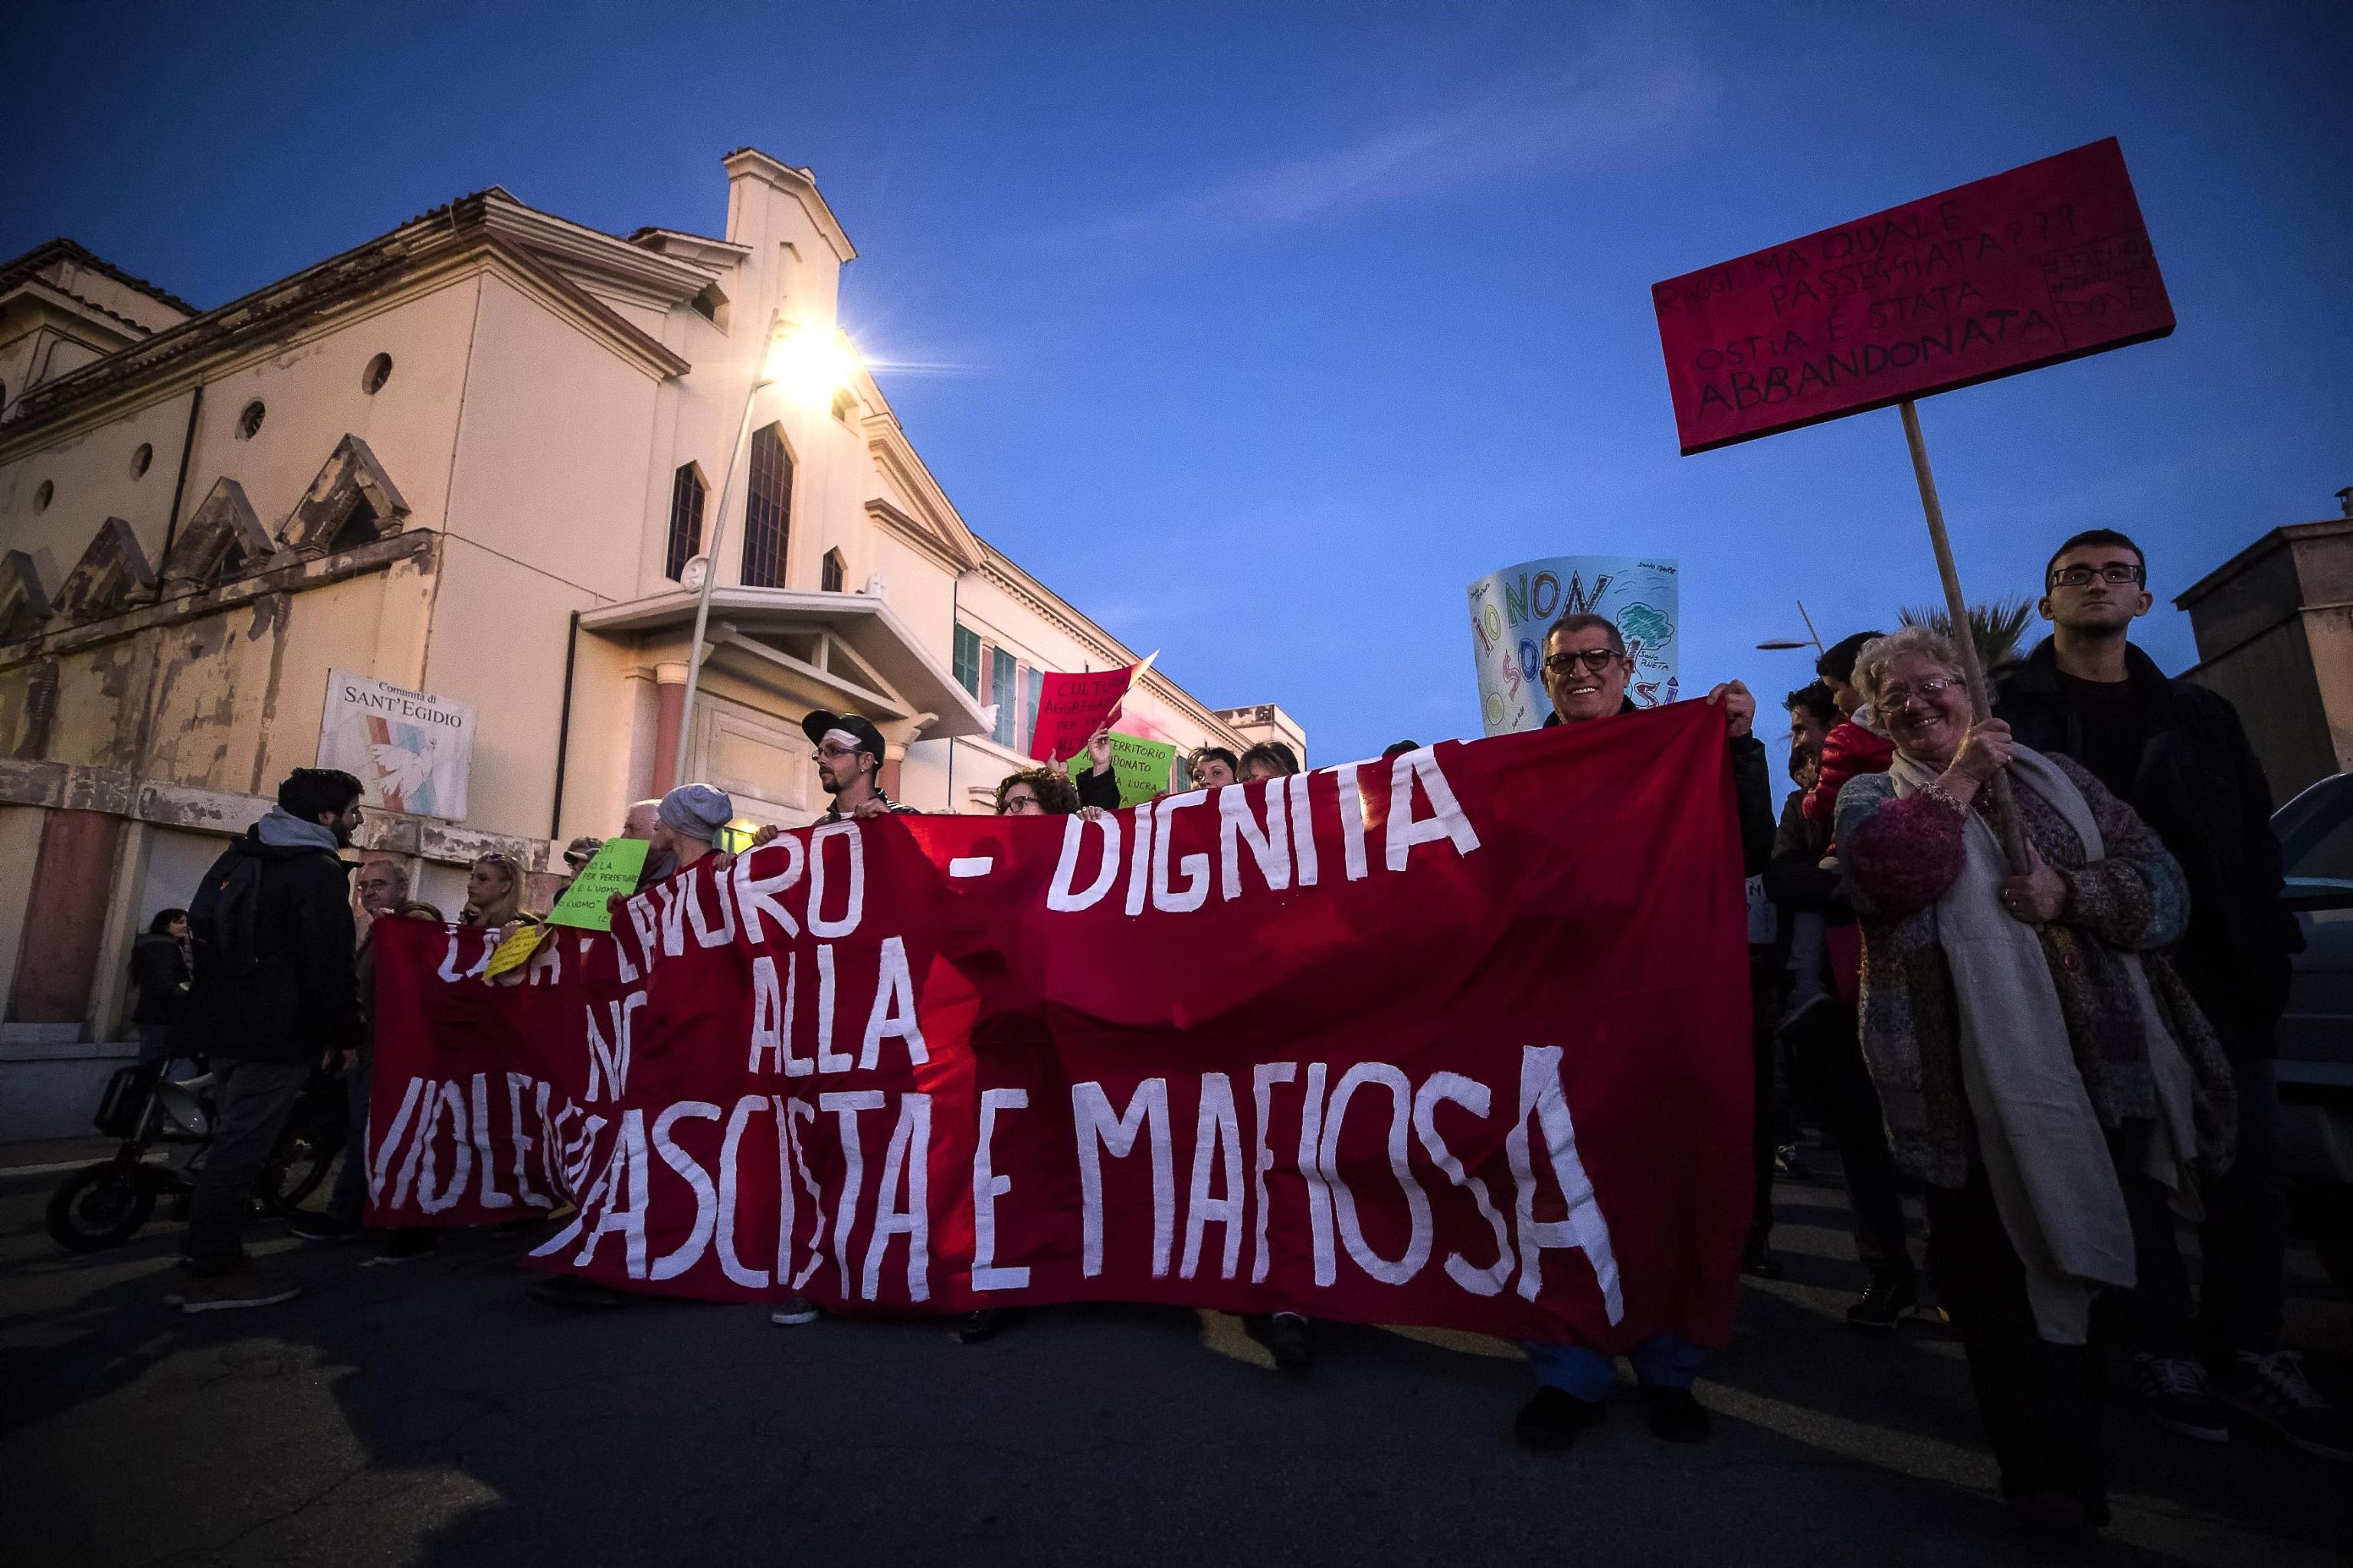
(1458,1039)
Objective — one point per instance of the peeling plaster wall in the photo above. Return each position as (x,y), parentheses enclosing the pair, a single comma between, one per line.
(312,397)
(20,844)
(328,627)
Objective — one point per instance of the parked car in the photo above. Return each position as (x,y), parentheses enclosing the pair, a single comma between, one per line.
(2315,1037)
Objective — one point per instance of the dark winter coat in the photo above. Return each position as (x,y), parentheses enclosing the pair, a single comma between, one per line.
(2200,786)
(159,971)
(301,999)
(1099,789)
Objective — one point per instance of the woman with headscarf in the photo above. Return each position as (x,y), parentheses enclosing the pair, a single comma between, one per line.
(2034,1058)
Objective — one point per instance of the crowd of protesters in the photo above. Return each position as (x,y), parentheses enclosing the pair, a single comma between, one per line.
(2024,967)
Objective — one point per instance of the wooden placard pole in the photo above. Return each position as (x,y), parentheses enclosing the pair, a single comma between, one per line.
(2005,816)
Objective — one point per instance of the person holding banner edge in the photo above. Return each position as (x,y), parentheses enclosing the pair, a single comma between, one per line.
(1586,669)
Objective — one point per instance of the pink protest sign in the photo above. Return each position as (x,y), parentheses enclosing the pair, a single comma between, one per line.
(1072,707)
(2047,263)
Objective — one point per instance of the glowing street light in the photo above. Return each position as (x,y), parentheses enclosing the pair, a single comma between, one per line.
(811,363)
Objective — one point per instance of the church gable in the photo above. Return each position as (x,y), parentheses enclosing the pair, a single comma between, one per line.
(110,572)
(351,503)
(23,606)
(223,540)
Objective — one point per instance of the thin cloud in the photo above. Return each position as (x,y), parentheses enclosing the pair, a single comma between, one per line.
(1616,104)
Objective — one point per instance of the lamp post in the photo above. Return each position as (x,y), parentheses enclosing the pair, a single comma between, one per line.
(818,363)
(1812,639)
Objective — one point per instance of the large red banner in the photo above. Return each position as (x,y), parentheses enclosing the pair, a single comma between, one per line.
(2049,262)
(1460,1039)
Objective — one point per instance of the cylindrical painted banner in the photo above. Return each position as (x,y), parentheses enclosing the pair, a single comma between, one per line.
(1510,609)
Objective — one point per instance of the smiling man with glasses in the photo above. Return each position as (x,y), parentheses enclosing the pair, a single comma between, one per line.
(2176,753)
(1585,673)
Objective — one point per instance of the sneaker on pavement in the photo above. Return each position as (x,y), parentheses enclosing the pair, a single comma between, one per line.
(2271,1387)
(571,1291)
(239,1287)
(1884,1302)
(980,1327)
(1759,1261)
(1674,1414)
(1554,1418)
(795,1311)
(1286,1339)
(321,1227)
(2173,1395)
(406,1247)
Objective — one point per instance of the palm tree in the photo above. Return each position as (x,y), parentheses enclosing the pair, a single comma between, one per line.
(1996,629)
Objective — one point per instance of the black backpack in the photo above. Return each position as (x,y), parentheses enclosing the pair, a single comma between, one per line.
(225,918)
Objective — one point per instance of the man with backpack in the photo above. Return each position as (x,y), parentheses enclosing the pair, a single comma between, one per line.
(275,994)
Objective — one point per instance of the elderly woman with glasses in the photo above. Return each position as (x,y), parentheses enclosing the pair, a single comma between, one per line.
(2034,1058)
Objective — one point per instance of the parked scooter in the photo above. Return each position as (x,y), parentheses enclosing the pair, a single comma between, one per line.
(166,1124)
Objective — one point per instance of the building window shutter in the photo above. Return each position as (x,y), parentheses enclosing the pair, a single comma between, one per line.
(1001,691)
(1033,691)
(836,571)
(685,522)
(767,510)
(967,660)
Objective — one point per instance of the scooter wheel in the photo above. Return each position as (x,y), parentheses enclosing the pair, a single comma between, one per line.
(99,1206)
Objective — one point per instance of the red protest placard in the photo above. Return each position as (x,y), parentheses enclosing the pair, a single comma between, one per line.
(1458,1038)
(1071,707)
(2050,262)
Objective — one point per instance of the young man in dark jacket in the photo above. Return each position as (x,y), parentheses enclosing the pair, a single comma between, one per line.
(2176,753)
(275,993)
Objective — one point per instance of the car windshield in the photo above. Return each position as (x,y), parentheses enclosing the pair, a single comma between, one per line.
(2317,835)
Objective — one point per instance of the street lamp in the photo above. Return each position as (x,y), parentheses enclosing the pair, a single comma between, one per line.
(1812,639)
(812,362)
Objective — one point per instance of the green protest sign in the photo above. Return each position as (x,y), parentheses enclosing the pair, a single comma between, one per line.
(614,870)
(1141,766)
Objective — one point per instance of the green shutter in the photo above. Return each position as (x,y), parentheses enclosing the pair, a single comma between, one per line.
(967,660)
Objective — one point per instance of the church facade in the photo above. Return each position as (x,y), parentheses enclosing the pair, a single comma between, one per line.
(480,458)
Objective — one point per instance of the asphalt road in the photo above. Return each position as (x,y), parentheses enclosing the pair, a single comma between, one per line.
(430,1413)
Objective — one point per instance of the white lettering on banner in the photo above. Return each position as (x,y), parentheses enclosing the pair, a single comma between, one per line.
(829,1060)
(609,1059)
(1352,819)
(580,1152)
(855,910)
(1447,822)
(524,1142)
(1264,1077)
(462,1150)
(688,1253)
(627,970)
(1139,875)
(730,1146)
(1217,1125)
(705,935)
(1061,895)
(449,971)
(625,1170)
(383,1151)
(550,1133)
(909,1152)
(894,1015)
(1585,1229)
(546,964)
(846,1106)
(1472,1095)
(988,1186)
(756,895)
(1303,831)
(1147,1114)
(490,1195)
(642,921)
(772,1017)
(1195,867)
(1416,1202)
(1311,1173)
(674,897)
(796,1112)
(1270,849)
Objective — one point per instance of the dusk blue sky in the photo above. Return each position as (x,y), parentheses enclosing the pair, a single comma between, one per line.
(1273,326)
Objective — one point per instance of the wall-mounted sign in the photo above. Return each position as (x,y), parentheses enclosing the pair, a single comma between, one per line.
(1512,609)
(411,751)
